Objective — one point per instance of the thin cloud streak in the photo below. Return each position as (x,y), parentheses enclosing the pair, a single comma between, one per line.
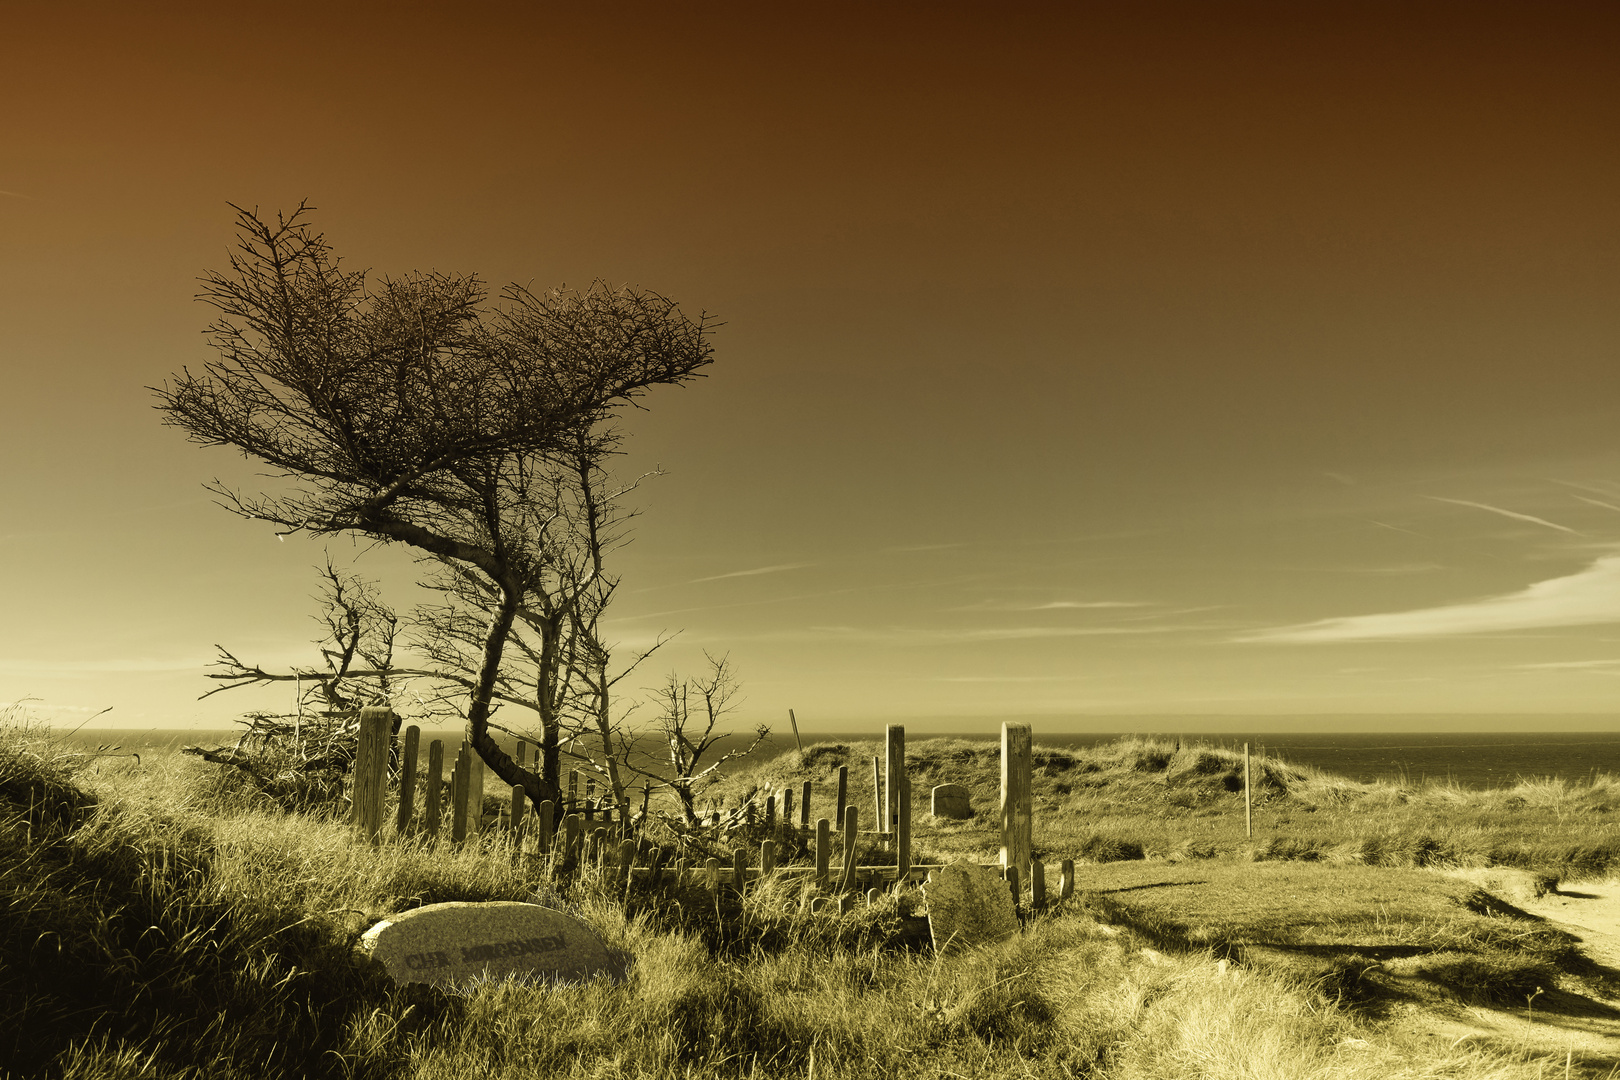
(1599,502)
(753,573)
(82,667)
(1514,514)
(1581,599)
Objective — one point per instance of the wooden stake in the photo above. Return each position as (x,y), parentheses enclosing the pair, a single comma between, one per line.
(767,858)
(894,752)
(823,851)
(843,794)
(852,819)
(902,832)
(1066,882)
(877,797)
(1037,885)
(515,823)
(542,843)
(371,770)
(407,780)
(1248,800)
(1017,811)
(435,789)
(804,806)
(794,720)
(462,796)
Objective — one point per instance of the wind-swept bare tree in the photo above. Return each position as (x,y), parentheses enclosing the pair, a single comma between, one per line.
(418,412)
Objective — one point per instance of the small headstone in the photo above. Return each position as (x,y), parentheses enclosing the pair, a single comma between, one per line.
(952,801)
(967,906)
(456,943)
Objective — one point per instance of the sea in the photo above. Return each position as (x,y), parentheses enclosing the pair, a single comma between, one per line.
(1466,759)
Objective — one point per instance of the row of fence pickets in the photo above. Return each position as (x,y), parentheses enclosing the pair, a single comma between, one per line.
(578,842)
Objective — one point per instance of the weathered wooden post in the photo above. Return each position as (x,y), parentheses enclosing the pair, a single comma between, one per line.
(767,858)
(1066,883)
(431,811)
(1017,813)
(371,771)
(902,832)
(823,851)
(711,874)
(1037,885)
(843,794)
(544,829)
(461,788)
(852,820)
(627,861)
(522,754)
(1248,800)
(407,780)
(739,868)
(894,751)
(804,806)
(1013,878)
(794,720)
(475,792)
(572,805)
(787,808)
(770,811)
(515,822)
(882,818)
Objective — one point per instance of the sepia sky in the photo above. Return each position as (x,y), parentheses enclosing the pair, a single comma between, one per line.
(1078,359)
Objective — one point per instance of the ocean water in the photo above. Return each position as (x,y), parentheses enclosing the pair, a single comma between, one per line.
(1473,760)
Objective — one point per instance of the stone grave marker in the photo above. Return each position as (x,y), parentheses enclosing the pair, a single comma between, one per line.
(967,906)
(452,944)
(951,801)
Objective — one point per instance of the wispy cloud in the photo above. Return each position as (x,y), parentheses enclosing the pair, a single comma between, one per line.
(1598,502)
(753,573)
(1589,596)
(16,194)
(1570,665)
(1514,514)
(1052,605)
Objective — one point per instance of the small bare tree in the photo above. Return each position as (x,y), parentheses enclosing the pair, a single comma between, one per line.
(688,722)
(417,412)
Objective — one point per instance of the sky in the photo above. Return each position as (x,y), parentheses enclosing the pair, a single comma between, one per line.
(1079,361)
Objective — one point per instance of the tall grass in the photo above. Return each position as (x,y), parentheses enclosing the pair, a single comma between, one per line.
(157,922)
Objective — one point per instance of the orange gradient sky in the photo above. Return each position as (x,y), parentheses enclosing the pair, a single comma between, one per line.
(1162,359)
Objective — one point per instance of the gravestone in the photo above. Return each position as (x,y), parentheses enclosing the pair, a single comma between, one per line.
(452,944)
(952,801)
(967,906)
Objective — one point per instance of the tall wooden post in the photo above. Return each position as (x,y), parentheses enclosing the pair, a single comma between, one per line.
(804,806)
(371,770)
(894,751)
(515,822)
(877,797)
(461,789)
(902,833)
(843,795)
(1248,800)
(435,789)
(787,808)
(1017,811)
(852,823)
(823,851)
(544,828)
(475,791)
(407,780)
(794,720)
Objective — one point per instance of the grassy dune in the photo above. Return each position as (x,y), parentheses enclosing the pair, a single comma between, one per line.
(157,920)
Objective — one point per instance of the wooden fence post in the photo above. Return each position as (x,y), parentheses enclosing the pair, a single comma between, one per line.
(371,770)
(407,780)
(1248,800)
(770,811)
(711,874)
(767,858)
(515,822)
(1037,885)
(739,867)
(823,851)
(542,842)
(787,808)
(1066,883)
(461,789)
(843,795)
(572,805)
(475,786)
(1017,813)
(1013,881)
(894,750)
(804,806)
(883,825)
(435,789)
(852,820)
(902,862)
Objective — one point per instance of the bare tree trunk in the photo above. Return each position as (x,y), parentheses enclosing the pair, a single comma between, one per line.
(535,787)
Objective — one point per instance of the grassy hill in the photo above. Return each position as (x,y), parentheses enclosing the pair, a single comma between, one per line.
(158,920)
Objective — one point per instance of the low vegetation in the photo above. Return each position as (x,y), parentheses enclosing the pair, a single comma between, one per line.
(162,919)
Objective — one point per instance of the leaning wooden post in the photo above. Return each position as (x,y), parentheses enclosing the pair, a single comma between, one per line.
(371,770)
(902,834)
(1017,812)
(843,795)
(435,789)
(852,820)
(407,780)
(1248,800)
(823,851)
(794,720)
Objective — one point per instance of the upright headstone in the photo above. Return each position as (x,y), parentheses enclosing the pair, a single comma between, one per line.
(952,801)
(967,906)
(453,944)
